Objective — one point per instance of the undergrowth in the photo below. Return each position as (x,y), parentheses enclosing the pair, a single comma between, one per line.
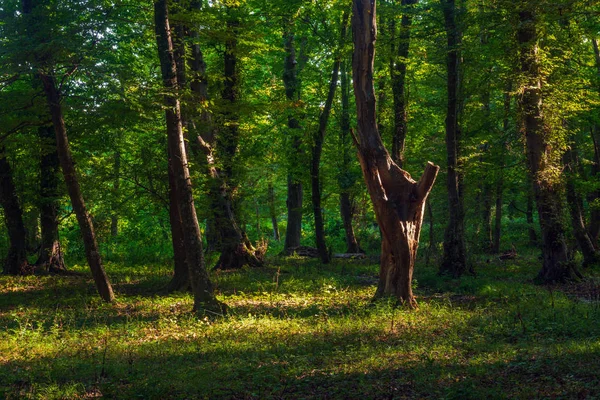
(297,329)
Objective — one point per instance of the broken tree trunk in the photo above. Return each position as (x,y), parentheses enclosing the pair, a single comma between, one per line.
(398,200)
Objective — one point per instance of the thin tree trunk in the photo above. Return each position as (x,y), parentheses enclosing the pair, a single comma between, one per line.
(533,239)
(500,180)
(398,201)
(345,178)
(273,213)
(50,257)
(293,232)
(317,149)
(114,218)
(398,65)
(556,265)
(204,298)
(575,202)
(68,167)
(16,260)
(454,261)
(594,198)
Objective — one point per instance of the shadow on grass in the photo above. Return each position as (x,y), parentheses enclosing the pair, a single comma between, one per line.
(351,364)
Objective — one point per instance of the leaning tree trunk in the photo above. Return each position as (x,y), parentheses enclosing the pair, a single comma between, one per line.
(556,263)
(68,168)
(16,261)
(204,298)
(398,66)
(575,202)
(454,261)
(398,201)
(50,257)
(293,232)
(317,149)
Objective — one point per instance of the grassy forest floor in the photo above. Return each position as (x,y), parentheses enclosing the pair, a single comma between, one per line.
(300,330)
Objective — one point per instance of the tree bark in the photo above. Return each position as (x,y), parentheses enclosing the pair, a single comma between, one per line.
(398,200)
(454,261)
(557,266)
(398,65)
(16,260)
(181,276)
(293,232)
(204,298)
(50,257)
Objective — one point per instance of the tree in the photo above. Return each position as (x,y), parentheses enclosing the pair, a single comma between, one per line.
(454,261)
(541,159)
(204,298)
(50,257)
(16,262)
(46,73)
(397,199)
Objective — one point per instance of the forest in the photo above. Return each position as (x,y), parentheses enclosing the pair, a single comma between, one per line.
(337,199)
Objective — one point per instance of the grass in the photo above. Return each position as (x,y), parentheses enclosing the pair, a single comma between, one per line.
(299,330)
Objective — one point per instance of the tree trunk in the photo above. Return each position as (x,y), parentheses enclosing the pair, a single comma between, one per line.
(500,180)
(398,65)
(114,218)
(293,232)
(181,275)
(68,167)
(273,213)
(317,149)
(533,239)
(346,211)
(345,178)
(204,298)
(556,266)
(16,260)
(398,201)
(594,198)
(50,257)
(454,261)
(575,202)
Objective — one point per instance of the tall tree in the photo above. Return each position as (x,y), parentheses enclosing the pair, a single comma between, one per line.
(204,298)
(293,232)
(454,260)
(317,149)
(46,73)
(540,156)
(398,200)
(398,66)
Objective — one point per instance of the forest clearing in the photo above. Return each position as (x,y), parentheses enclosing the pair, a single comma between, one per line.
(252,199)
